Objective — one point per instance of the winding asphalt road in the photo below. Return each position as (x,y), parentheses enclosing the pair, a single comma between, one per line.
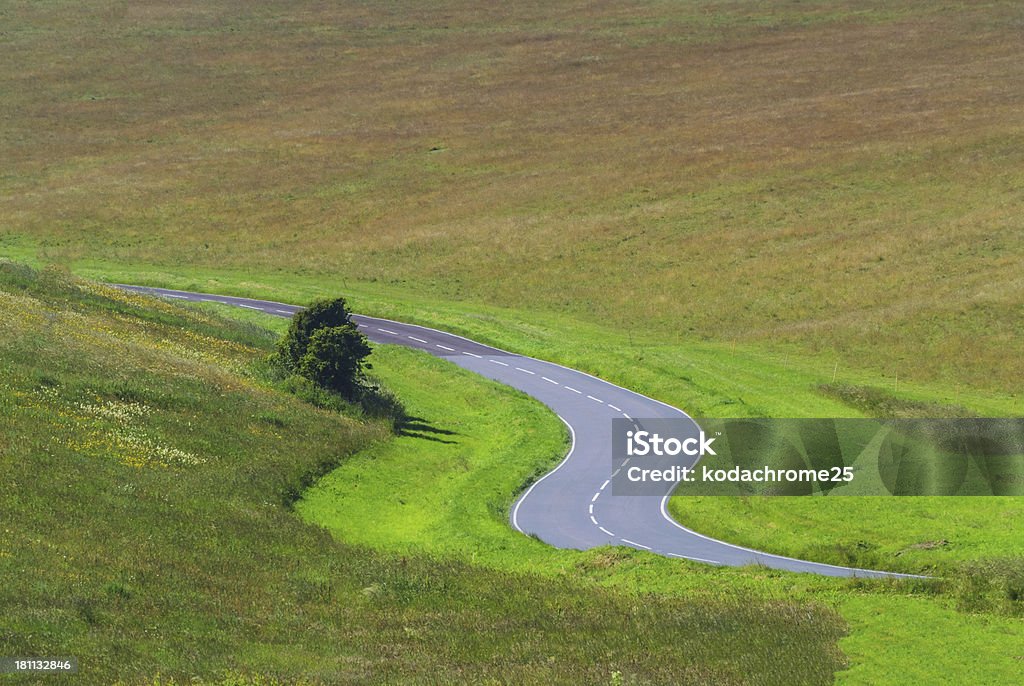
(571,506)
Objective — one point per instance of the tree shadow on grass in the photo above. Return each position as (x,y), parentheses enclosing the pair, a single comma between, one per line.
(418,427)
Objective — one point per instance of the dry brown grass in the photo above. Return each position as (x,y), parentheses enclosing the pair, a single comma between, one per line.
(843,175)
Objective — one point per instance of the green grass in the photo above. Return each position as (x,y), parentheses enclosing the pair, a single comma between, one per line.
(916,534)
(903,640)
(459,483)
(147,529)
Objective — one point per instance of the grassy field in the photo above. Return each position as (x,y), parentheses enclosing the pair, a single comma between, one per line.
(446,492)
(419,523)
(840,178)
(147,529)
(743,209)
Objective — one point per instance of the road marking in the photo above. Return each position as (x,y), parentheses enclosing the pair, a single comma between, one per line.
(284,311)
(471,354)
(251,307)
(616,472)
(606,531)
(393,333)
(570,388)
(445,347)
(605,484)
(180,297)
(503,364)
(596,399)
(595,496)
(525,371)
(695,559)
(211,300)
(418,340)
(614,408)
(625,462)
(638,545)
(549,380)
(627,416)
(591,508)
(594,520)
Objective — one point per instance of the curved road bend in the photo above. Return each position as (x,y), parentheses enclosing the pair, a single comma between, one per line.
(572,505)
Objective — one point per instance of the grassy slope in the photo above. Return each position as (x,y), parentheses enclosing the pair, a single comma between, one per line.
(451,498)
(146,529)
(842,177)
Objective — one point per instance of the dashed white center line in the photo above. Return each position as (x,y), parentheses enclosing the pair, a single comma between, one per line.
(393,333)
(570,388)
(625,462)
(595,496)
(616,472)
(606,531)
(284,311)
(591,508)
(594,520)
(181,297)
(627,416)
(605,484)
(549,380)
(251,307)
(638,545)
(471,354)
(525,371)
(445,347)
(597,400)
(503,364)
(614,408)
(418,340)
(211,300)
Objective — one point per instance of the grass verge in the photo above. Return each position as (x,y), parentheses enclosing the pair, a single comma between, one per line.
(916,534)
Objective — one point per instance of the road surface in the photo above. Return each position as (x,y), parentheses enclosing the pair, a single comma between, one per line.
(571,506)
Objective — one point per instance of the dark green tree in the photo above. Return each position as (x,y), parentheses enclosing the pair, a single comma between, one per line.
(323,345)
(334,359)
(320,314)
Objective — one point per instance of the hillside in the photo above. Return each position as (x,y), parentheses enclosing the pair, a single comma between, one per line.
(149,469)
(841,177)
